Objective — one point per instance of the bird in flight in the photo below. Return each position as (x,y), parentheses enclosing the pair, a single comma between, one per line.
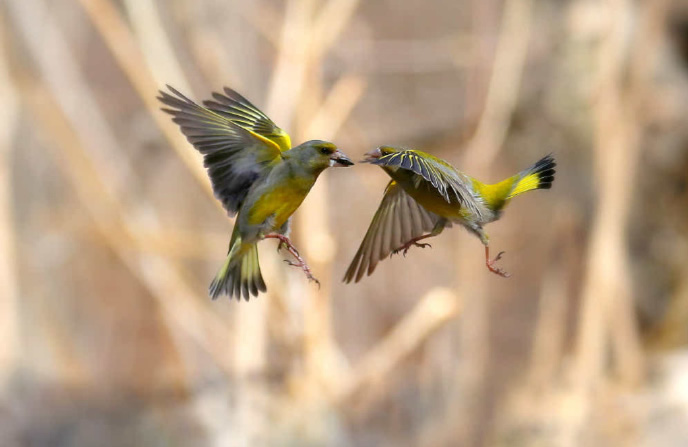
(427,195)
(257,176)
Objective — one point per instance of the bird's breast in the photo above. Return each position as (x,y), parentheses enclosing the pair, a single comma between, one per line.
(279,202)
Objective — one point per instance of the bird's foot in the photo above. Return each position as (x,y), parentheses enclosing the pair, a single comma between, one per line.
(491,266)
(300,262)
(306,270)
(284,242)
(405,248)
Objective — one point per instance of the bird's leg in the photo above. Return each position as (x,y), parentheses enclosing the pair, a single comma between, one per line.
(437,229)
(300,262)
(491,263)
(413,242)
(284,242)
(284,230)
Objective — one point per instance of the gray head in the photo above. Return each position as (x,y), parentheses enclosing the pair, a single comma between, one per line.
(319,155)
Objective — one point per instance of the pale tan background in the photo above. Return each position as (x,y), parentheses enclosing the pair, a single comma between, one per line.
(109,233)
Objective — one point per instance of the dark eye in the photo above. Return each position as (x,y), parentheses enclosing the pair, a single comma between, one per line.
(325,150)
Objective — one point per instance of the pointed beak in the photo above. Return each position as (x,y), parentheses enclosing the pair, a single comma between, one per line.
(339,159)
(373,155)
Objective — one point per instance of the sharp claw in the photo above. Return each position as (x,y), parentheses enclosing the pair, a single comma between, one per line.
(405,248)
(306,270)
(310,277)
(499,272)
(284,242)
(496,270)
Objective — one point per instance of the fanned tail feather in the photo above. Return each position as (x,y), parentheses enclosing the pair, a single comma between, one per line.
(239,275)
(538,176)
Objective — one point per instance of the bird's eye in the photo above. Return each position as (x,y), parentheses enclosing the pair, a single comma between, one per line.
(325,150)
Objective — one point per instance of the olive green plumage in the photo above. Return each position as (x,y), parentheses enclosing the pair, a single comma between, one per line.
(255,173)
(426,195)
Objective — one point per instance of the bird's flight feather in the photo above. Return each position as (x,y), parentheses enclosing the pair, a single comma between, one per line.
(240,111)
(235,156)
(398,219)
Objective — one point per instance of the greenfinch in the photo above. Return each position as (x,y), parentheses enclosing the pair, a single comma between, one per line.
(257,176)
(427,195)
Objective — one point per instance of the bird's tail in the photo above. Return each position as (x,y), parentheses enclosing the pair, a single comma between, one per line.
(240,274)
(538,176)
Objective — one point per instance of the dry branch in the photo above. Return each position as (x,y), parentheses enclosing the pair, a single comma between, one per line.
(163,279)
(505,83)
(118,38)
(607,297)
(433,310)
(156,48)
(93,179)
(9,325)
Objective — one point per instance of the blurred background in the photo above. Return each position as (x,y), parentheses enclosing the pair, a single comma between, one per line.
(109,234)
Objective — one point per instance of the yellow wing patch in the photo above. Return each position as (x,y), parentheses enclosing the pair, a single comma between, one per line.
(267,141)
(282,140)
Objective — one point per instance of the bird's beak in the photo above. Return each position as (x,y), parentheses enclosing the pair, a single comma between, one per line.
(338,159)
(373,155)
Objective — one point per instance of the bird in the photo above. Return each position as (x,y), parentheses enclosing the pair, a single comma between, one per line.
(426,195)
(255,174)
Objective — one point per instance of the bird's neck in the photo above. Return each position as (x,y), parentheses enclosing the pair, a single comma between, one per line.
(299,168)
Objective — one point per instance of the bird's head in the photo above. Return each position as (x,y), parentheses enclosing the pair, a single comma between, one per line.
(323,154)
(381,151)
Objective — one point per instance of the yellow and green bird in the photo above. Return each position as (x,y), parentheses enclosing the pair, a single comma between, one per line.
(255,173)
(427,195)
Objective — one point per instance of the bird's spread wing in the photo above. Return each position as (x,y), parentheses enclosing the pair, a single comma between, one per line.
(440,174)
(235,156)
(398,220)
(240,111)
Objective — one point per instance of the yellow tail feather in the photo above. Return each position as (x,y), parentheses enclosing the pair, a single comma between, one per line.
(527,183)
(240,274)
(538,176)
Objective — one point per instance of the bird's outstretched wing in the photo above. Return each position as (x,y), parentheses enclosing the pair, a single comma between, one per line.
(235,156)
(240,111)
(440,174)
(398,220)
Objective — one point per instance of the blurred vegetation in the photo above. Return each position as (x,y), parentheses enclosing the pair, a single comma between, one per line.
(109,232)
